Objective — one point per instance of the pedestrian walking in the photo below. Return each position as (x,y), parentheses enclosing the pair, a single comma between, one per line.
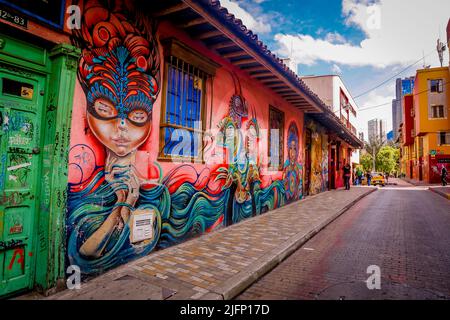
(359,174)
(347,175)
(444,174)
(369,178)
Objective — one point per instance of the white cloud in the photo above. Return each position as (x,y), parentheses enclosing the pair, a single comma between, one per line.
(397,33)
(336,69)
(258,25)
(335,37)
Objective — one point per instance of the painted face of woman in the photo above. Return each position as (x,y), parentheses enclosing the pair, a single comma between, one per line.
(120,134)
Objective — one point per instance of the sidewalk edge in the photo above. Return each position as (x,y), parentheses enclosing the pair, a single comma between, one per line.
(442,194)
(238,283)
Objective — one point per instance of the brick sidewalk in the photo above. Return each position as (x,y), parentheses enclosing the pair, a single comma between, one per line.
(222,264)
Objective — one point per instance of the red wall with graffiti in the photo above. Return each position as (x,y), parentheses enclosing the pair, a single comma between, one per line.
(179,199)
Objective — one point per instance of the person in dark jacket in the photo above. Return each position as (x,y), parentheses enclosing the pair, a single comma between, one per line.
(347,175)
(369,178)
(444,174)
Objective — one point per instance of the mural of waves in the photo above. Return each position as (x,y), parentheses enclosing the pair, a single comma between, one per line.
(88,209)
(271,197)
(193,213)
(187,212)
(267,199)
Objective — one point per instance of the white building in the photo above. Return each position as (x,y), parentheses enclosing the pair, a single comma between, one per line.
(377,129)
(332,90)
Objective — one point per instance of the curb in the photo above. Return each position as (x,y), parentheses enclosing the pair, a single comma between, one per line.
(241,281)
(442,194)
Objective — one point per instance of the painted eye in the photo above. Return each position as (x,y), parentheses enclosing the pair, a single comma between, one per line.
(138,116)
(105,109)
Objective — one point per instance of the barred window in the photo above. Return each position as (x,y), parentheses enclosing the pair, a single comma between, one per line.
(276,141)
(183,112)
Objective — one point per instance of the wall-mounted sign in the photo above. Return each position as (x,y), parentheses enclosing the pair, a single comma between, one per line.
(17,19)
(142,225)
(48,11)
(445,160)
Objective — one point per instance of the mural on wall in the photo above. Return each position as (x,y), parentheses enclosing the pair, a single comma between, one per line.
(292,172)
(240,135)
(121,205)
(436,163)
(325,154)
(319,159)
(116,213)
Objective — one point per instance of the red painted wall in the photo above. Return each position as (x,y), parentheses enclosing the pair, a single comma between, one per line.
(181,200)
(435,166)
(408,120)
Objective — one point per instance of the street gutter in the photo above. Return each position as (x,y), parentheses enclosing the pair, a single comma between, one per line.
(442,194)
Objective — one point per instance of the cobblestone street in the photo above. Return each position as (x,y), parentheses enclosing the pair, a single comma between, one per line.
(404,230)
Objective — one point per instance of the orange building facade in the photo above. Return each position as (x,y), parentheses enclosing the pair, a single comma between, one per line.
(426,135)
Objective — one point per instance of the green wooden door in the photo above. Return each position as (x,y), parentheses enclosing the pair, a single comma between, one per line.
(21,105)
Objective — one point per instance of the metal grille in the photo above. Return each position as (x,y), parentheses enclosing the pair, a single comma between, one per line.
(182,124)
(276,146)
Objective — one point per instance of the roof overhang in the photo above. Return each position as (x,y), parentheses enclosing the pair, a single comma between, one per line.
(223,33)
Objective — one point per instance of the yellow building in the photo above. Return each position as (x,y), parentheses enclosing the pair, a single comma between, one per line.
(431,148)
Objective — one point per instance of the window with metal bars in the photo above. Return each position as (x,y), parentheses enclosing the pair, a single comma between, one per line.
(183,111)
(276,139)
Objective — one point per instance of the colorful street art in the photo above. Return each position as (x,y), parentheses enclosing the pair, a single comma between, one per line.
(116,210)
(292,172)
(319,159)
(325,153)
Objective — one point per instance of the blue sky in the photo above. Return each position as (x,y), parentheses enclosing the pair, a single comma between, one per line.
(364,41)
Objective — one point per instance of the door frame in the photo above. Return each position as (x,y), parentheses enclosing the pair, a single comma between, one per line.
(308,149)
(59,65)
(332,165)
(23,253)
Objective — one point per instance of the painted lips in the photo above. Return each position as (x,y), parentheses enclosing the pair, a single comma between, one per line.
(121,142)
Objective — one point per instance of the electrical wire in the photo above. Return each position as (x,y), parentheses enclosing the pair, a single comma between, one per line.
(394,76)
(387,103)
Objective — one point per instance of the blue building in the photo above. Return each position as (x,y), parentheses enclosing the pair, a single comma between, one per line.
(390,135)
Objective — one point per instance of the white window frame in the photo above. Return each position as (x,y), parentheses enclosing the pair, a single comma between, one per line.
(446,140)
(440,86)
(436,107)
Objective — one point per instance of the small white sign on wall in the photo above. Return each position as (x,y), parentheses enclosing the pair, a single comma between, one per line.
(142,225)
